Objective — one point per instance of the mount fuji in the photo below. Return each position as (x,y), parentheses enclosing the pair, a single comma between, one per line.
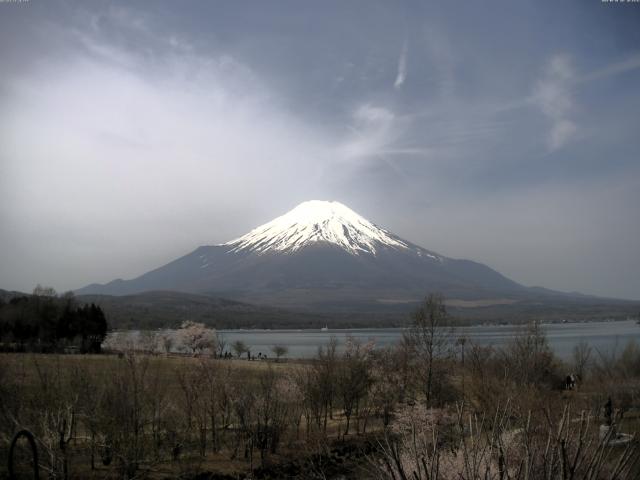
(320,256)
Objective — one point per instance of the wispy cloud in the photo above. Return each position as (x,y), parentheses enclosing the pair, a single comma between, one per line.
(371,131)
(627,65)
(553,97)
(402,66)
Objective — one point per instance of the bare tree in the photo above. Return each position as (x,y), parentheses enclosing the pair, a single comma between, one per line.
(211,393)
(312,399)
(189,383)
(354,378)
(271,413)
(279,351)
(125,412)
(40,291)
(90,387)
(58,413)
(430,337)
(529,358)
(500,446)
(581,358)
(617,375)
(221,345)
(239,347)
(326,372)
(244,400)
(387,382)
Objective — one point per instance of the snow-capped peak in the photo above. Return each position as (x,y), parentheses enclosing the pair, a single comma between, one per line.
(317,221)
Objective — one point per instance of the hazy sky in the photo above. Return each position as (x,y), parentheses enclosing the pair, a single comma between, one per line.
(504,132)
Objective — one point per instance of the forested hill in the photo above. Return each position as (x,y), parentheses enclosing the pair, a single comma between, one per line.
(167,309)
(46,322)
(162,309)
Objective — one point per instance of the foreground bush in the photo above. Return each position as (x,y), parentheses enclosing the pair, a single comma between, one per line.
(428,444)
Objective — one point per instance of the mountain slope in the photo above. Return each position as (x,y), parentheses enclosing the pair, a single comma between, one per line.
(320,255)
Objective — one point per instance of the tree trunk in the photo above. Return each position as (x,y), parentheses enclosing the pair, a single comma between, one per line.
(214,433)
(326,412)
(429,380)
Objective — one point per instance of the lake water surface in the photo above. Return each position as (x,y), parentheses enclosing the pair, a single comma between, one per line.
(605,337)
(562,337)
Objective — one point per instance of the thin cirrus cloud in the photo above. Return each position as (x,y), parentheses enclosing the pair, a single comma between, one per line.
(553,96)
(554,93)
(402,66)
(373,128)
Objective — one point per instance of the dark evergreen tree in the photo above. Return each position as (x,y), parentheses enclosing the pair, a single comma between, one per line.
(45,322)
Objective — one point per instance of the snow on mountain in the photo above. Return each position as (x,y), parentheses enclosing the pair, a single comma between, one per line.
(317,221)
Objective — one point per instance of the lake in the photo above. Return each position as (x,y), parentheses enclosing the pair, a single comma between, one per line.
(562,337)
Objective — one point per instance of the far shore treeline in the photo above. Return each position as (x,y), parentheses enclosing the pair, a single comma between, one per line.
(48,322)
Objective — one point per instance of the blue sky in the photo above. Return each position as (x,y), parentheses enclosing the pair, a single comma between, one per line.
(504,132)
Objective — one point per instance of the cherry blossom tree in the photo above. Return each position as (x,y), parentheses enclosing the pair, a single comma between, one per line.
(196,338)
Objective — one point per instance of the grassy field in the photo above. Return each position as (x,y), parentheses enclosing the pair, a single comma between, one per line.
(36,378)
(134,415)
